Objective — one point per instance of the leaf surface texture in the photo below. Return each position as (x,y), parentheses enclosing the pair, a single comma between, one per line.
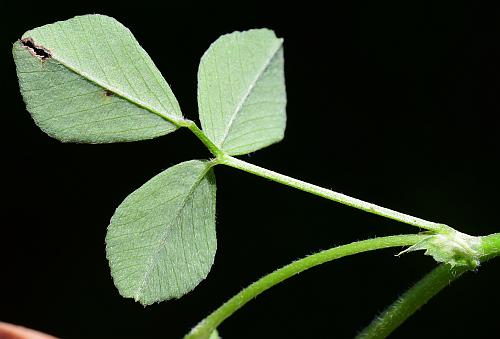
(97,84)
(241,91)
(161,241)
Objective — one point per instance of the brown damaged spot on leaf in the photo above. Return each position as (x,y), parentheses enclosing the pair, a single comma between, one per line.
(37,51)
(108,93)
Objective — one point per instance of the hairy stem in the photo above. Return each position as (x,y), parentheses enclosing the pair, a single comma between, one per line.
(398,312)
(411,301)
(423,291)
(225,159)
(490,246)
(332,195)
(210,323)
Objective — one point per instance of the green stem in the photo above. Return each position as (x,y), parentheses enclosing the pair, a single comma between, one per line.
(210,323)
(191,125)
(332,195)
(423,291)
(411,301)
(225,159)
(398,312)
(490,246)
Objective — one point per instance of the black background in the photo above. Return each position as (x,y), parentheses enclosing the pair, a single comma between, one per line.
(392,103)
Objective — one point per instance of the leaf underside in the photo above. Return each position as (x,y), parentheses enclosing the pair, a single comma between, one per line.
(161,241)
(241,91)
(88,80)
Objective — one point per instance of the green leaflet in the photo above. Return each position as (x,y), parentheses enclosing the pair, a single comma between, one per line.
(161,240)
(241,91)
(95,84)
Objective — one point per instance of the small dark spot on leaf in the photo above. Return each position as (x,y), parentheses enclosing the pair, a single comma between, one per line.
(108,93)
(38,51)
